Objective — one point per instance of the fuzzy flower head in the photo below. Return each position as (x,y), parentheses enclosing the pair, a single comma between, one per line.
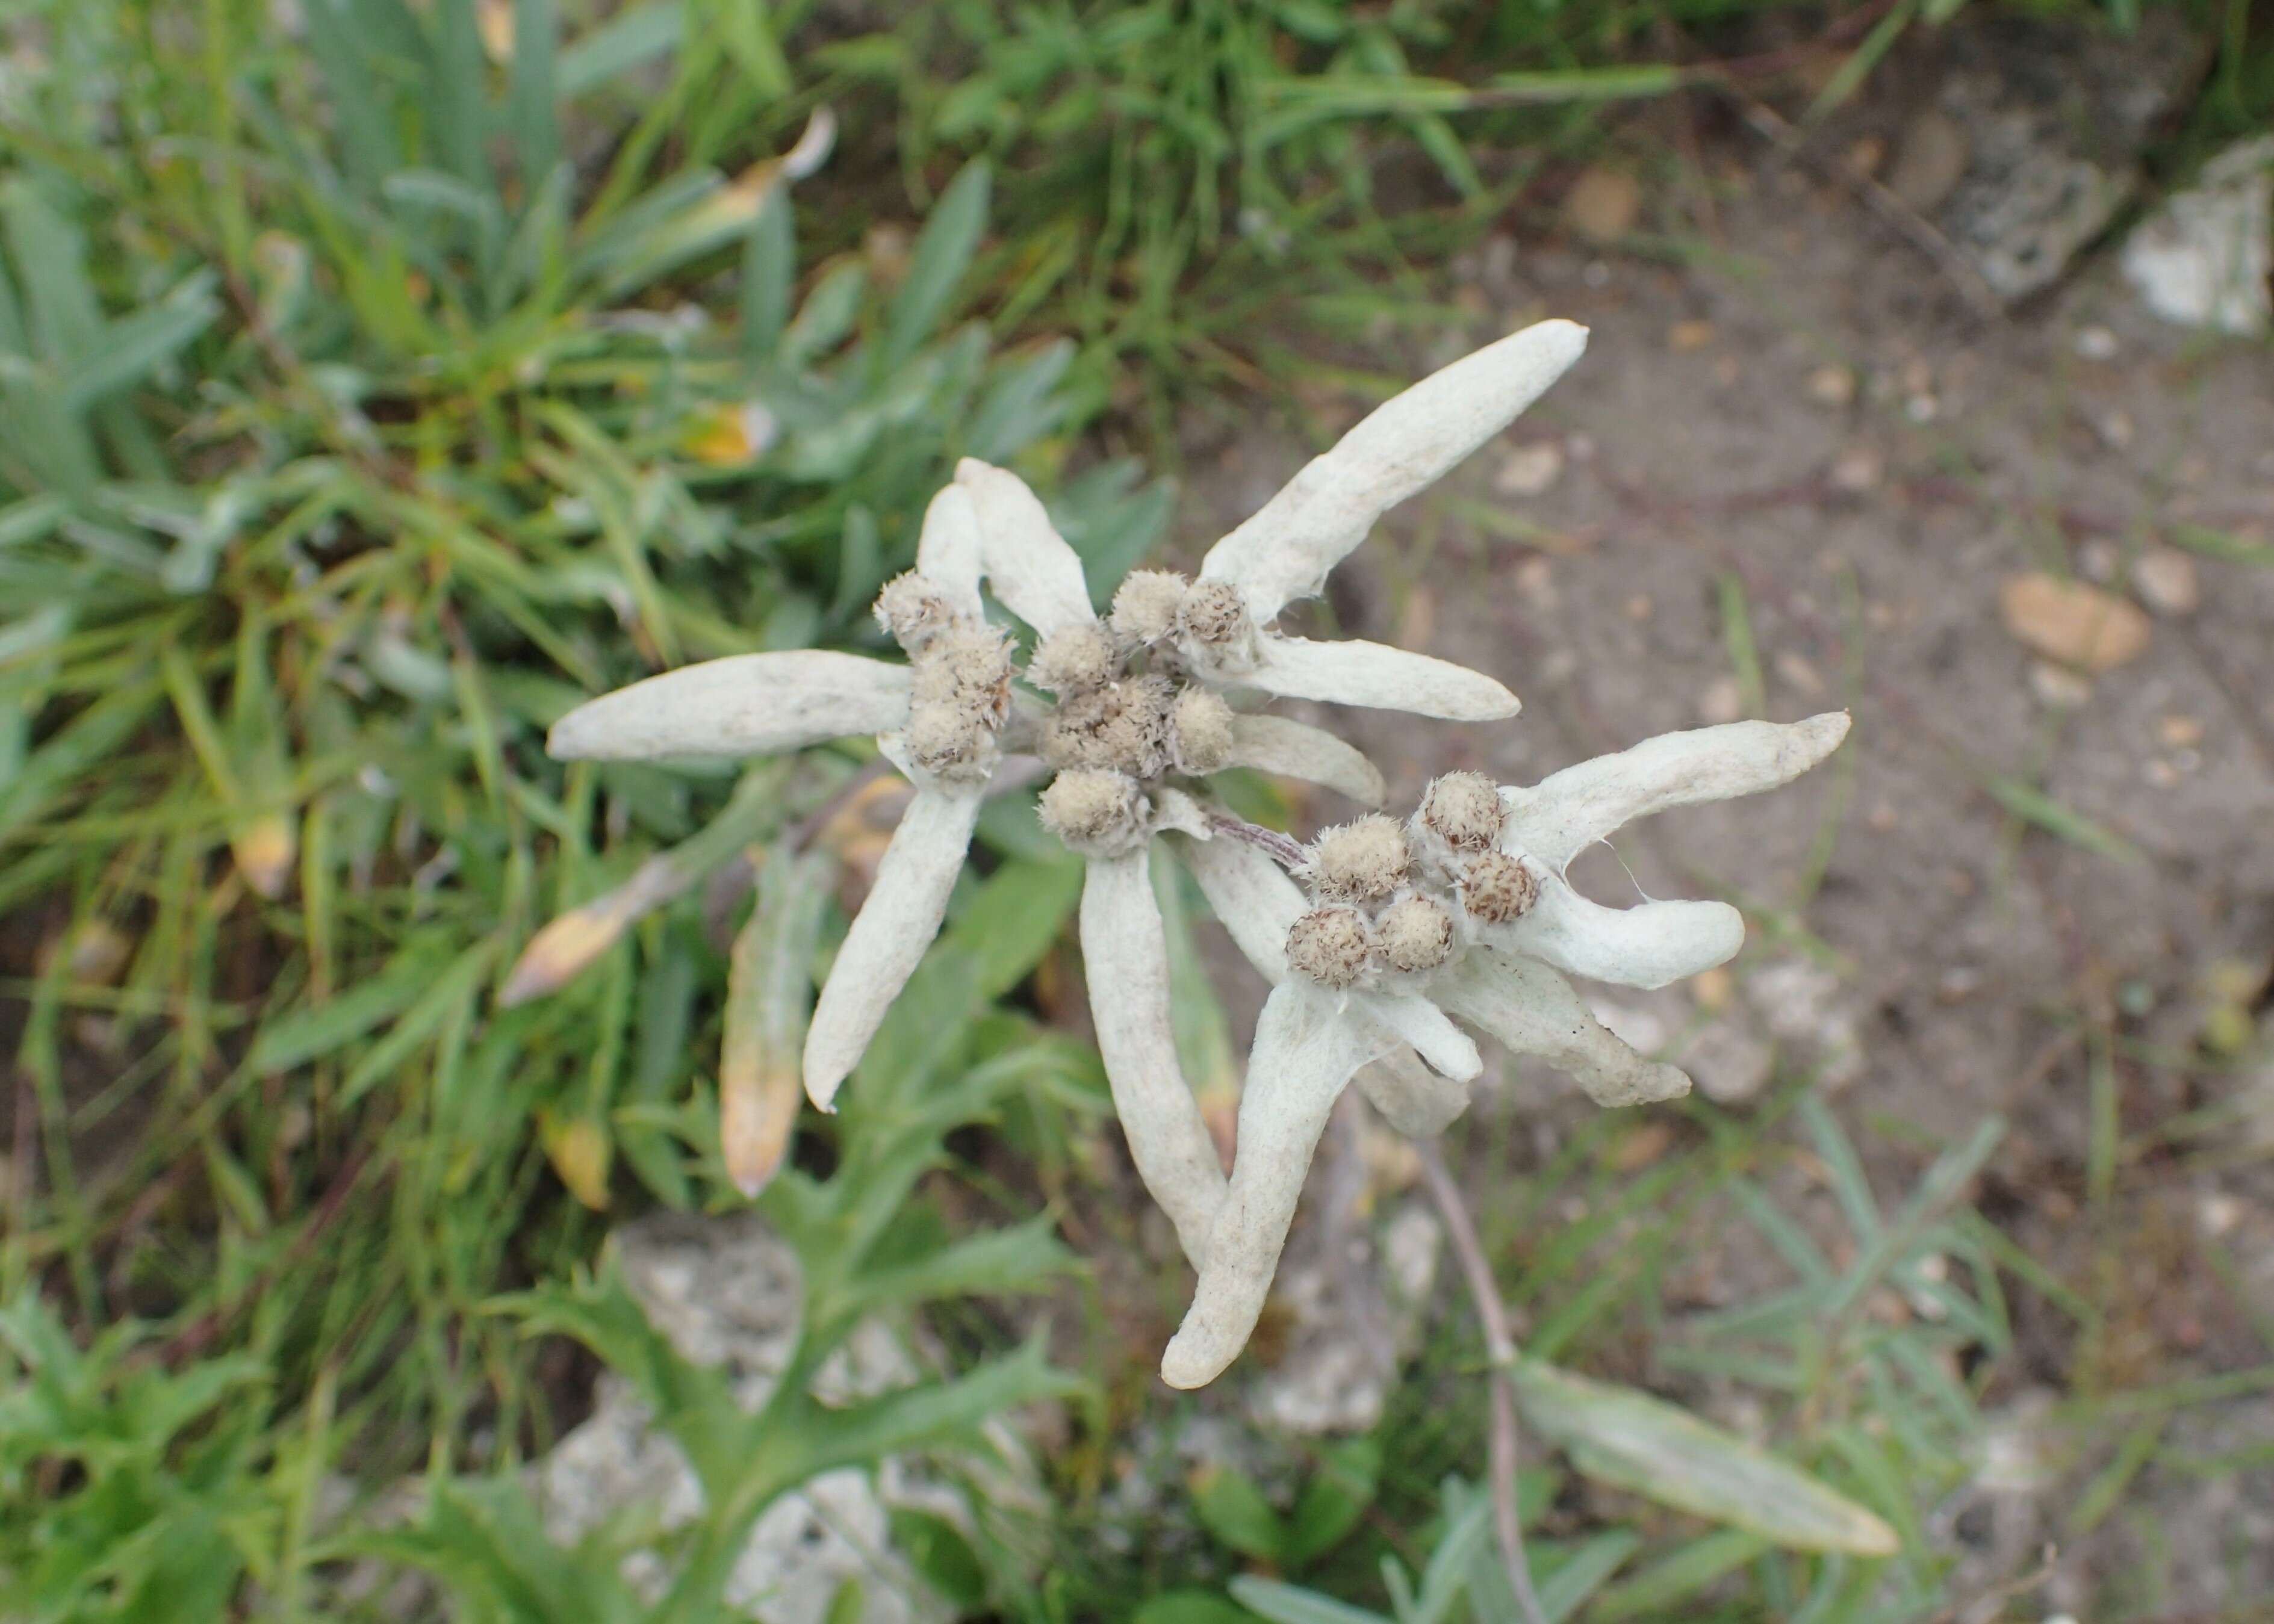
(1459,917)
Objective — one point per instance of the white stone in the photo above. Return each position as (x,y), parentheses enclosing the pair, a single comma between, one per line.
(726,1292)
(1530,470)
(2202,259)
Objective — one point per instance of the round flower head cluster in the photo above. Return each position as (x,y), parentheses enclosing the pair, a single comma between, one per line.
(1404,899)
(1128,712)
(959,679)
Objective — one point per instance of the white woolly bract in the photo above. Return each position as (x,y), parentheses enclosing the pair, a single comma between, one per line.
(1409,1096)
(1569,811)
(745,704)
(1286,549)
(1531,1010)
(1646,945)
(948,550)
(1029,567)
(1372,674)
(1417,1021)
(889,934)
(1251,895)
(1305,1053)
(1125,960)
(1293,750)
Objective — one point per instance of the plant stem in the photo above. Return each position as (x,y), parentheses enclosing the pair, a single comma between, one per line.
(1499,1348)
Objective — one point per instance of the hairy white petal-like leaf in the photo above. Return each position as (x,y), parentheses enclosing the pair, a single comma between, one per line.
(889,934)
(1564,814)
(1646,945)
(1411,1098)
(1356,673)
(1029,567)
(1252,895)
(1531,1010)
(1277,744)
(948,550)
(745,704)
(1305,1052)
(1286,549)
(1418,1022)
(1126,959)
(1172,809)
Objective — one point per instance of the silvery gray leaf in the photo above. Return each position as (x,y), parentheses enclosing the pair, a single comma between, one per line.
(1286,549)
(745,704)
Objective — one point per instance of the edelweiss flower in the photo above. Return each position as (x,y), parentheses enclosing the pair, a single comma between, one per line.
(1141,710)
(1463,911)
(1138,713)
(939,719)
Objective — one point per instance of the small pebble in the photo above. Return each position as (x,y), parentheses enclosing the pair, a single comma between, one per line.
(1856,470)
(2099,559)
(1798,673)
(2179,733)
(1930,161)
(1833,385)
(1723,700)
(2114,428)
(2165,579)
(1639,607)
(2097,344)
(2219,1213)
(1603,204)
(1535,578)
(1529,470)
(2059,687)
(1643,1146)
(2071,622)
(1689,335)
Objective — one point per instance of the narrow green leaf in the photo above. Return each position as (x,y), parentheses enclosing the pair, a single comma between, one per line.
(1627,1437)
(1288,1604)
(632,38)
(2032,804)
(942,254)
(532,116)
(456,103)
(1228,1505)
(127,349)
(309,1033)
(935,1414)
(769,267)
(1568,1586)
(1676,1577)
